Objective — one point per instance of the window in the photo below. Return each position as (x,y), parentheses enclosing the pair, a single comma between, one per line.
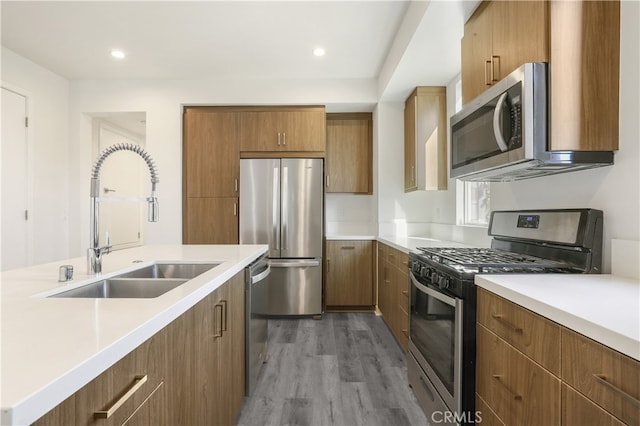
(473,198)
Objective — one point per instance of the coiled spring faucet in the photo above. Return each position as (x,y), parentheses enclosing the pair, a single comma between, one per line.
(95,252)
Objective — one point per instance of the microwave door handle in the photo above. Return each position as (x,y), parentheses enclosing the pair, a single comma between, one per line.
(497,115)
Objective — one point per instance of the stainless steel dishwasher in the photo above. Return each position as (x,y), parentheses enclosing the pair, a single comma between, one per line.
(256,284)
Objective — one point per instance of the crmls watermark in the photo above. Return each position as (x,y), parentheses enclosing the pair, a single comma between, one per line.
(453,417)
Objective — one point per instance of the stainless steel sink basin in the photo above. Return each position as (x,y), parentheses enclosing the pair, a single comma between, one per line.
(146,282)
(135,288)
(170,270)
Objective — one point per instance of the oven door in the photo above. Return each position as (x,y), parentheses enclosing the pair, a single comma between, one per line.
(436,339)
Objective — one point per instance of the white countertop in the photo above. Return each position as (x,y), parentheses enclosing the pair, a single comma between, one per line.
(51,347)
(605,308)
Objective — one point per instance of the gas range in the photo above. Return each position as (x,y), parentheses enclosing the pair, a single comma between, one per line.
(442,321)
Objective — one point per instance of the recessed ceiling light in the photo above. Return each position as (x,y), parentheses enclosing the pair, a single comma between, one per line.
(318,51)
(118,54)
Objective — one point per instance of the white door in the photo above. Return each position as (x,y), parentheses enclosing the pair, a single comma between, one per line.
(121,190)
(14,181)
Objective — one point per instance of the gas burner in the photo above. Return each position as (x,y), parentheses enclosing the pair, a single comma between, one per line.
(489,260)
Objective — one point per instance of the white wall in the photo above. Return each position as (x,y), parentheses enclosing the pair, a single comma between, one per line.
(48,138)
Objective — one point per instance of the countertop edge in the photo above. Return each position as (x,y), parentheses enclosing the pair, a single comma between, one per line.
(50,395)
(603,335)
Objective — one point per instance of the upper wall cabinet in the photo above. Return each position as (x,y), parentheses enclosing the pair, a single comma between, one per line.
(278,129)
(581,42)
(498,38)
(425,139)
(349,155)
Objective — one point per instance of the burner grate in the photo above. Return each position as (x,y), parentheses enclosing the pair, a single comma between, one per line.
(491,260)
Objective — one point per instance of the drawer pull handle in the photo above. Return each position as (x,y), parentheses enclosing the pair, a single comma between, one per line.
(405,332)
(139,380)
(405,292)
(603,380)
(505,387)
(348,247)
(513,327)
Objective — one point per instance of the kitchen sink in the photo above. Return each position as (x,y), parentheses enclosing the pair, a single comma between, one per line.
(170,270)
(133,288)
(143,283)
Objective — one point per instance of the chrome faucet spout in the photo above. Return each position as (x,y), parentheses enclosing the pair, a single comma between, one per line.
(95,252)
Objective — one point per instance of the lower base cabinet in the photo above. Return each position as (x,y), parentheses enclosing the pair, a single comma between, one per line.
(190,372)
(533,371)
(393,291)
(349,274)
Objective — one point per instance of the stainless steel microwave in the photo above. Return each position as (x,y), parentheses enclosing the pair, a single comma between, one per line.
(502,135)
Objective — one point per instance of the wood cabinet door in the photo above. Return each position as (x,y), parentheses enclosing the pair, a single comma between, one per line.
(304,130)
(231,353)
(349,273)
(210,221)
(349,153)
(520,35)
(476,52)
(410,106)
(259,130)
(211,153)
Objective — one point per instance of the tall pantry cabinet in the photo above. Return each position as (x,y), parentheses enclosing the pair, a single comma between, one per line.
(211,173)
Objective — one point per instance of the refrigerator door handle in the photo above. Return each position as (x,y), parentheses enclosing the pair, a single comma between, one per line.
(274,207)
(294,263)
(285,209)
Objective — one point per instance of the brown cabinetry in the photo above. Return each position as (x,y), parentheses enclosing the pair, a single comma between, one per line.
(581,42)
(393,291)
(530,370)
(213,138)
(286,129)
(498,38)
(190,372)
(349,153)
(349,278)
(425,139)
(211,173)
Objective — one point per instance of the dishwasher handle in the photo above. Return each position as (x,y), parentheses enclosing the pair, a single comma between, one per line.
(261,276)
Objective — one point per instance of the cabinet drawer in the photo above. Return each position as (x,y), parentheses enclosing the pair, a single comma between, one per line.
(603,375)
(517,389)
(578,410)
(533,335)
(489,418)
(397,258)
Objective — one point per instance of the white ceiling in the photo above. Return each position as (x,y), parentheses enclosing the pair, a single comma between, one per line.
(241,39)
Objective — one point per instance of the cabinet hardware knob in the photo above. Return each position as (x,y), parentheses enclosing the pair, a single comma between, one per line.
(278,138)
(506,323)
(236,184)
(602,379)
(284,138)
(505,387)
(235,209)
(138,381)
(328,265)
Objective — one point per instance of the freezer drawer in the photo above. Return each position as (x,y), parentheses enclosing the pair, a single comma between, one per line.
(295,287)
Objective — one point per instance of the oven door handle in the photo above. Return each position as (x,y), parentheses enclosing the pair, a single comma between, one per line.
(433,293)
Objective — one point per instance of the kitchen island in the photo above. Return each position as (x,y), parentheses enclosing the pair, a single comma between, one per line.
(52,347)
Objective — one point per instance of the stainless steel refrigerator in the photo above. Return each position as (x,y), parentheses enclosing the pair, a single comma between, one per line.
(281,204)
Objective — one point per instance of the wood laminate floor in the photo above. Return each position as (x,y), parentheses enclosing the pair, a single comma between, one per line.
(345,369)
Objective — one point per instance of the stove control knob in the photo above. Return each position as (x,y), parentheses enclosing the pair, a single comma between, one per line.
(434,277)
(424,271)
(443,282)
